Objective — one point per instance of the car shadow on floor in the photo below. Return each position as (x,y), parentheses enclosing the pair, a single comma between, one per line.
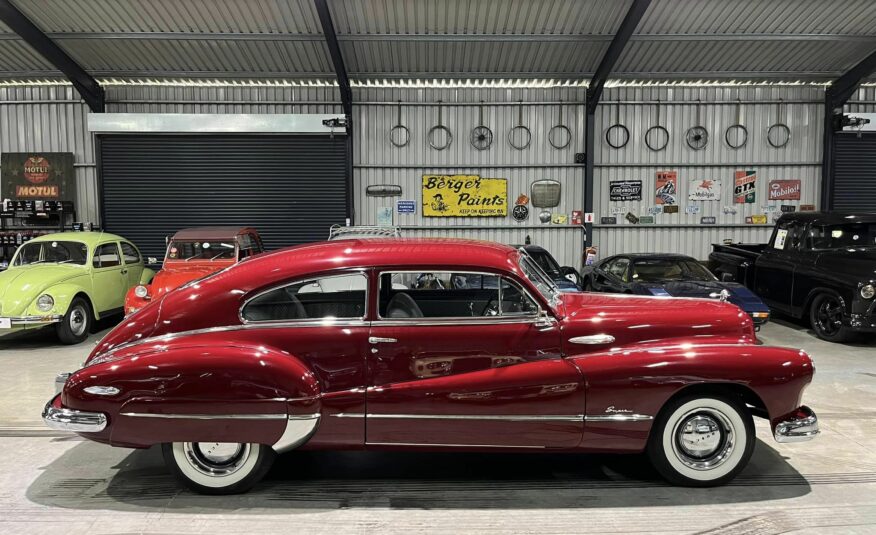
(309,481)
(864,340)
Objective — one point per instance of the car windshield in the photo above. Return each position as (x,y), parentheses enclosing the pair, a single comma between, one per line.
(547,263)
(670,269)
(189,250)
(538,277)
(51,252)
(841,236)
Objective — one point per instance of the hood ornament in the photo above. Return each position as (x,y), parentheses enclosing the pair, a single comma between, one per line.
(723,295)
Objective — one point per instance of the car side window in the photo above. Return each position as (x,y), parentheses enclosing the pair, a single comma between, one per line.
(618,268)
(107,256)
(446,294)
(130,253)
(324,298)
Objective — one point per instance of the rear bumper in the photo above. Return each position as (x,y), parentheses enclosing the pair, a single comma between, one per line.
(799,426)
(63,419)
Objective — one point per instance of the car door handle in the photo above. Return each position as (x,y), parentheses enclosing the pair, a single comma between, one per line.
(592,339)
(124,272)
(378,340)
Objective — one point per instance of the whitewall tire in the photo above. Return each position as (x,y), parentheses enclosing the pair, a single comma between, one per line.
(218,467)
(702,441)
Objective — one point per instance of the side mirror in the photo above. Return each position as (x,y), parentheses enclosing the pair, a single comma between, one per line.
(727,277)
(571,274)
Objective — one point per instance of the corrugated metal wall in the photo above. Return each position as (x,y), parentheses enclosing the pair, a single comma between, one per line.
(52,118)
(377,161)
(635,108)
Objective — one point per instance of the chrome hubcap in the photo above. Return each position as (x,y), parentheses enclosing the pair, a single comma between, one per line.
(78,321)
(216,458)
(703,439)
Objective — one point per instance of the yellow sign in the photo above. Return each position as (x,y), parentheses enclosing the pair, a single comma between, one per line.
(464,196)
(759,219)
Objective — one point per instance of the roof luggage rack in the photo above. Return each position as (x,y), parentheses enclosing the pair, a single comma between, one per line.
(338,232)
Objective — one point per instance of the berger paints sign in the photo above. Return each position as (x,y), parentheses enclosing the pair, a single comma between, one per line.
(38,175)
(464,196)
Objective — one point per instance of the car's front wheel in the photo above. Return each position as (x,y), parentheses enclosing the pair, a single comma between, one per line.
(826,318)
(701,441)
(218,467)
(76,323)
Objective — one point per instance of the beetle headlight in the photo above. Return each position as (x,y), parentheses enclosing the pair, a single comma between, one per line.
(868,291)
(45,302)
(141,291)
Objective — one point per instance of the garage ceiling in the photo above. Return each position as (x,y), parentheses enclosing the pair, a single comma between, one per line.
(785,40)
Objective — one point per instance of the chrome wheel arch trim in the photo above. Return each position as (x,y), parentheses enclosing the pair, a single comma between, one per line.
(299,429)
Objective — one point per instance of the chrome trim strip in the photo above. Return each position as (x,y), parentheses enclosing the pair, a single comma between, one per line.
(798,429)
(205,416)
(618,418)
(299,428)
(474,320)
(434,445)
(498,417)
(64,419)
(61,380)
(592,339)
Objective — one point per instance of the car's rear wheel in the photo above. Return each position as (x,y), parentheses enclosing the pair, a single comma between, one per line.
(76,323)
(701,441)
(826,318)
(218,467)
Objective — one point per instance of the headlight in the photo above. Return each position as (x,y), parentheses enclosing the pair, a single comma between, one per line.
(141,291)
(867,292)
(45,302)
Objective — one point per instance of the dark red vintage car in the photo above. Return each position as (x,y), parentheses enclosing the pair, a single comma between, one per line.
(430,345)
(194,253)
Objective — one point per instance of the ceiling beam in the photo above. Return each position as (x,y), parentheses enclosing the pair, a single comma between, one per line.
(464,38)
(84,83)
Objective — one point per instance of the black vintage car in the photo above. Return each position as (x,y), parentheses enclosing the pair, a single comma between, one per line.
(820,266)
(669,275)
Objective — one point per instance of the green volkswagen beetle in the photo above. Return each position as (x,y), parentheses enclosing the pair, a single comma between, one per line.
(68,280)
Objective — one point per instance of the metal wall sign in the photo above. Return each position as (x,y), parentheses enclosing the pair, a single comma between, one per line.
(625,190)
(784,190)
(38,175)
(464,196)
(667,187)
(744,187)
(406,207)
(704,190)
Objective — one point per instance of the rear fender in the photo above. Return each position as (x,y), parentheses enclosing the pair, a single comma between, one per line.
(196,393)
(640,380)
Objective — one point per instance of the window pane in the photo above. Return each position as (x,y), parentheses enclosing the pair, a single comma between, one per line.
(436,294)
(130,253)
(515,302)
(342,296)
(107,256)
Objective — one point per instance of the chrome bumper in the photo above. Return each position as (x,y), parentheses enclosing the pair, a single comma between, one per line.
(803,426)
(23,321)
(72,420)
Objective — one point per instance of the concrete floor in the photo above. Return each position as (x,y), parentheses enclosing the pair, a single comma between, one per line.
(57,483)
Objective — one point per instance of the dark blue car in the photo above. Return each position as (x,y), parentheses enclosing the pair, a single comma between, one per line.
(668,275)
(566,278)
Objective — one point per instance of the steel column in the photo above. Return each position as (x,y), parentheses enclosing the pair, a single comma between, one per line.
(84,83)
(835,97)
(594,93)
(334,48)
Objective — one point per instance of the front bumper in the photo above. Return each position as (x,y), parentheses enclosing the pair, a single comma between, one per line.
(800,426)
(63,419)
(25,322)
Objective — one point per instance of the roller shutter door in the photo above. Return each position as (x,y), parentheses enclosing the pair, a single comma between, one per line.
(291,188)
(855,172)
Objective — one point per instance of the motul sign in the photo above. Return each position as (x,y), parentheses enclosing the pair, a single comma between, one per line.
(38,176)
(784,190)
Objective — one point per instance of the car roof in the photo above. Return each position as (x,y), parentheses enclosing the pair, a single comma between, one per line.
(640,256)
(395,252)
(211,233)
(830,218)
(88,238)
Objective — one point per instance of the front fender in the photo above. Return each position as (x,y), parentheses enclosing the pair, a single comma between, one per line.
(197,393)
(640,380)
(63,294)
